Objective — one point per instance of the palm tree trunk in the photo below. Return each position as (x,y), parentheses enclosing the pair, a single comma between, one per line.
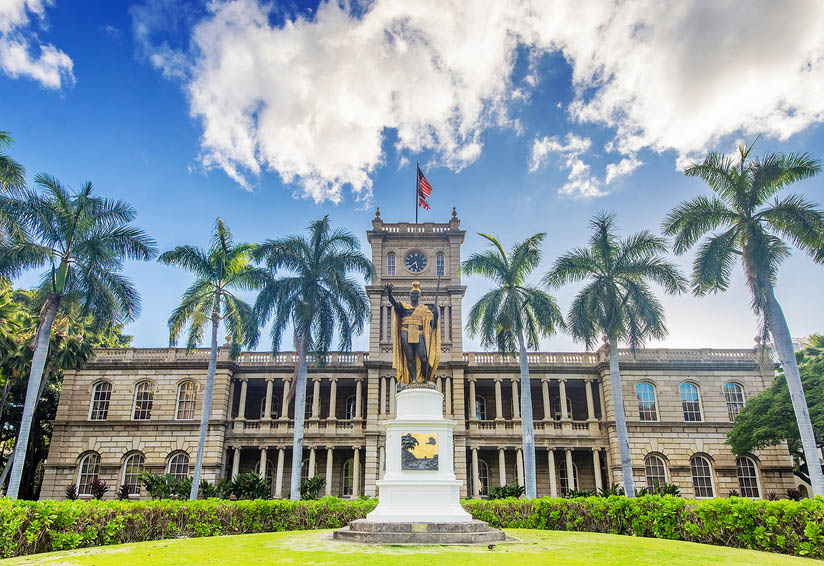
(206,411)
(783,345)
(6,468)
(620,419)
(528,432)
(300,412)
(6,388)
(38,363)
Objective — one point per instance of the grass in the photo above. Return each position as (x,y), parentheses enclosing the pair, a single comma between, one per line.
(317,548)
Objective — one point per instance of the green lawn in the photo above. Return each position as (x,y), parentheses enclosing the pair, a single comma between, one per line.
(317,548)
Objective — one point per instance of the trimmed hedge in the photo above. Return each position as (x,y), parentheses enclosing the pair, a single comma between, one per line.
(789,527)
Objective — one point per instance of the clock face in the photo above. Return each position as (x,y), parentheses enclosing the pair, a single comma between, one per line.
(415,262)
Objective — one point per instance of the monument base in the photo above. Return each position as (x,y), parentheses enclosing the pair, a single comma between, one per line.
(468,532)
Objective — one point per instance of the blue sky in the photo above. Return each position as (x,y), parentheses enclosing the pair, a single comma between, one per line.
(525,118)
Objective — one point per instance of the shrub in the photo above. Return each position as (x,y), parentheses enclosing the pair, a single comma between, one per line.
(733,493)
(794,494)
(614,489)
(250,485)
(223,489)
(772,496)
(166,486)
(573,493)
(123,492)
(506,491)
(310,487)
(71,492)
(98,488)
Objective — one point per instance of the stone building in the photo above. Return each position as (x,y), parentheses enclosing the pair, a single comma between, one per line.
(137,410)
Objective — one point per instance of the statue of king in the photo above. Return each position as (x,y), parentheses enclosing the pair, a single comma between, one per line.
(416,340)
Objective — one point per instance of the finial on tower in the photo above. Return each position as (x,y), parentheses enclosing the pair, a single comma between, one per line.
(378,212)
(454,212)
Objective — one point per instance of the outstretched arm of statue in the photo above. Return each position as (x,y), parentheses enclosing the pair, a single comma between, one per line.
(392,301)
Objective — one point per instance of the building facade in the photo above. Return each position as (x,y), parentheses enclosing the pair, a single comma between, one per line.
(136,410)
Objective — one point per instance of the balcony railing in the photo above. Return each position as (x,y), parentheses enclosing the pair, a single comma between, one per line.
(542,428)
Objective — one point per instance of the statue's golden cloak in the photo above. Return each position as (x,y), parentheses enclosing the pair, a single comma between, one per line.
(421,317)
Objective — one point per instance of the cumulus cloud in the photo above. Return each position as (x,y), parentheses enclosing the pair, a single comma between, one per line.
(21,51)
(312,98)
(580,183)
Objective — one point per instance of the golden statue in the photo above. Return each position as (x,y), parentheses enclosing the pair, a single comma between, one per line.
(416,339)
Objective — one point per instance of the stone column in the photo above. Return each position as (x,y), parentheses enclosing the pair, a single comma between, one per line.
(499,406)
(393,388)
(545,395)
(279,473)
(447,393)
(596,466)
(570,470)
(262,465)
(476,477)
(333,399)
(519,463)
(502,465)
(516,405)
(231,398)
(284,402)
(241,412)
(330,459)
(381,389)
(439,384)
(553,483)
(311,472)
(590,403)
(564,411)
(601,400)
(267,407)
(236,462)
(316,398)
(381,460)
(356,474)
(359,399)
(473,414)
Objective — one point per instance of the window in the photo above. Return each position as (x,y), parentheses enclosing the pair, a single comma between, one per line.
(186,397)
(440,264)
(480,408)
(562,476)
(690,402)
(304,470)
(101,395)
(346,478)
(483,479)
(734,394)
(143,399)
(132,470)
(307,410)
(390,264)
(556,408)
(701,477)
(179,465)
(87,473)
(647,410)
(274,410)
(270,473)
(656,472)
(351,407)
(747,477)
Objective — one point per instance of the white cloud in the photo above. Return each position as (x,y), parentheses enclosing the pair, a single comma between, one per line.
(312,99)
(22,53)
(580,183)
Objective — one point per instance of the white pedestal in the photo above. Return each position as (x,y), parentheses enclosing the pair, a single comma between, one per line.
(419,496)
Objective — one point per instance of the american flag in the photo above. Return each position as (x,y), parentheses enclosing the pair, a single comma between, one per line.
(424,190)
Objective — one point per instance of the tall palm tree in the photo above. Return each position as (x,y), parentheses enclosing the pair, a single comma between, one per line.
(514,316)
(83,241)
(224,268)
(317,298)
(12,174)
(617,302)
(12,183)
(740,222)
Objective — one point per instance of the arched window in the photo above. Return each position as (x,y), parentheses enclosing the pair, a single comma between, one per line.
(346,478)
(132,470)
(440,264)
(647,409)
(480,408)
(390,264)
(562,476)
(483,479)
(701,477)
(747,477)
(143,399)
(656,472)
(186,397)
(351,407)
(178,465)
(690,402)
(556,408)
(734,395)
(101,395)
(87,472)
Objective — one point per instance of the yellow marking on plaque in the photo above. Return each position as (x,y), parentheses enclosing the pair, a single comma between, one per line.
(425,447)
(419,527)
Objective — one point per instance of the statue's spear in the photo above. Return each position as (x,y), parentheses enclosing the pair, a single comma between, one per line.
(429,346)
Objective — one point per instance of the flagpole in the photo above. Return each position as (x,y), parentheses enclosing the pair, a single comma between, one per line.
(416,191)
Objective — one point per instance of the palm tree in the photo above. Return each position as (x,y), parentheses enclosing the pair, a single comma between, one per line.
(751,228)
(220,270)
(83,240)
(617,302)
(316,298)
(12,174)
(514,316)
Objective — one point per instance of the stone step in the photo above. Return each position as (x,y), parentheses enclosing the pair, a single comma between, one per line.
(366,526)
(370,532)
